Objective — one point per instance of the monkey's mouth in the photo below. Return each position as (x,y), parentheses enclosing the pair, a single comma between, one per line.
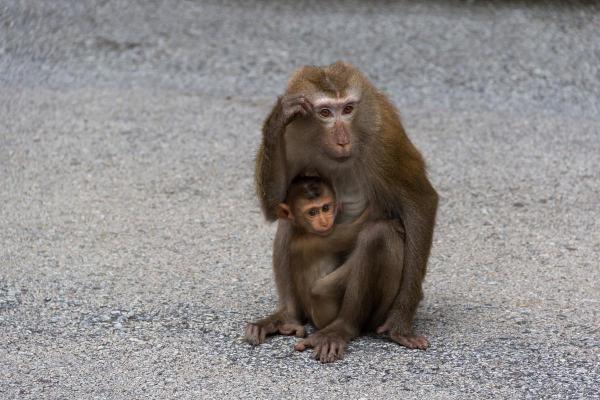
(337,153)
(341,155)
(324,232)
(342,158)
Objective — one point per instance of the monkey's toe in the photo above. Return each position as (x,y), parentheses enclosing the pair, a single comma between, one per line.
(255,335)
(292,329)
(302,345)
(336,352)
(327,348)
(411,341)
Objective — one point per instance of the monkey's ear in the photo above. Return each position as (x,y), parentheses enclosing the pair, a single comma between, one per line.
(284,212)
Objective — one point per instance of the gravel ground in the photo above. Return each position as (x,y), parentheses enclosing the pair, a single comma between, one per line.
(132,249)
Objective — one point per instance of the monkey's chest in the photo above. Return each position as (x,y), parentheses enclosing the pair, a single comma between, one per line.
(352,199)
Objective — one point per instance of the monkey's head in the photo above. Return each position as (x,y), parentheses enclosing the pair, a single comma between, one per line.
(310,205)
(342,104)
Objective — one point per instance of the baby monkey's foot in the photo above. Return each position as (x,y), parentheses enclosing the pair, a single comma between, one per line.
(292,328)
(257,332)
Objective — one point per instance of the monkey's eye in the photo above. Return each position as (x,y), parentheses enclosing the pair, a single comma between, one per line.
(325,113)
(313,212)
(348,109)
(325,208)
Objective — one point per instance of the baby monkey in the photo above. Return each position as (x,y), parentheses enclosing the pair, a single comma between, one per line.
(318,247)
(310,206)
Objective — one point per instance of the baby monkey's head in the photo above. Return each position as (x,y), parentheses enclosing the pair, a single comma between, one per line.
(310,205)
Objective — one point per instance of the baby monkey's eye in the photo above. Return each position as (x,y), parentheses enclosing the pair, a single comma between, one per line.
(326,208)
(313,212)
(348,109)
(325,113)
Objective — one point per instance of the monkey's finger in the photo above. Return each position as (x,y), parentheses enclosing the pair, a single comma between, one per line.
(292,329)
(298,109)
(262,335)
(303,345)
(411,342)
(383,328)
(324,352)
(255,335)
(290,114)
(333,352)
(295,330)
(341,351)
(317,353)
(249,334)
(286,329)
(290,102)
(306,106)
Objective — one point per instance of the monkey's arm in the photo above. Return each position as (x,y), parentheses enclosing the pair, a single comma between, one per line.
(271,177)
(272,173)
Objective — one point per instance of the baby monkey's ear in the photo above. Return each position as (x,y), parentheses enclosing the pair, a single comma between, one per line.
(284,212)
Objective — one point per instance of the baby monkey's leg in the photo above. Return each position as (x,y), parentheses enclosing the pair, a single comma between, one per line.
(327,295)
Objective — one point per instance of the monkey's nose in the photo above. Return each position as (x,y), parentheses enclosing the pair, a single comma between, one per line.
(342,140)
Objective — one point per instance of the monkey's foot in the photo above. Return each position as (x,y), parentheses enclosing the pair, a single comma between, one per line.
(407,340)
(411,342)
(292,328)
(328,347)
(257,332)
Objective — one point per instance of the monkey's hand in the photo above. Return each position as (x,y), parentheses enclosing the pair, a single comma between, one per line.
(362,218)
(257,332)
(287,108)
(293,106)
(403,336)
(328,347)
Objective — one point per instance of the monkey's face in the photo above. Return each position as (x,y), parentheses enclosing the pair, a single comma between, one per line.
(335,116)
(316,216)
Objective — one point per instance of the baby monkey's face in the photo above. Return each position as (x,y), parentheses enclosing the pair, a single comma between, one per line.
(318,215)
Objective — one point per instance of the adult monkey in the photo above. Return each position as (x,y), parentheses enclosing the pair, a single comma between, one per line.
(333,121)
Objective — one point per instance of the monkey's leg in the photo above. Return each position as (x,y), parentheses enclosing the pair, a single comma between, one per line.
(327,295)
(398,324)
(287,319)
(372,282)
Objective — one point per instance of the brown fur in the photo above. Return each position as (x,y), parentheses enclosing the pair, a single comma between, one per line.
(384,170)
(312,259)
